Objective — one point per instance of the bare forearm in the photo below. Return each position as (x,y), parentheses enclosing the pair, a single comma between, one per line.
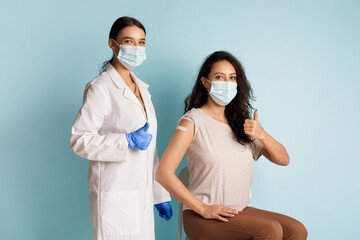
(272,149)
(276,150)
(170,161)
(177,189)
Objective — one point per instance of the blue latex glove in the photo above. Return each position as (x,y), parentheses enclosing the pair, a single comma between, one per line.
(165,210)
(140,138)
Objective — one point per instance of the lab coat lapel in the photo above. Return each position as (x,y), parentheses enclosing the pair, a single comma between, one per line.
(119,83)
(146,97)
(131,96)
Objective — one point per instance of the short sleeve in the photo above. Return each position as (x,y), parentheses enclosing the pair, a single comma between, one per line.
(256,147)
(191,117)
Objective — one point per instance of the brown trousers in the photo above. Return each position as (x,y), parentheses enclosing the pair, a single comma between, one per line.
(250,224)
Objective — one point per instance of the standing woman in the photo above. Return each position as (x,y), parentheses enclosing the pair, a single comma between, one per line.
(220,141)
(116,130)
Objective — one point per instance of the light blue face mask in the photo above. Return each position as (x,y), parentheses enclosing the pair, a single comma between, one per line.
(222,92)
(131,56)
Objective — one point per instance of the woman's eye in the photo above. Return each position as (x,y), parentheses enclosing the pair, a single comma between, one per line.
(142,43)
(233,78)
(128,41)
(218,77)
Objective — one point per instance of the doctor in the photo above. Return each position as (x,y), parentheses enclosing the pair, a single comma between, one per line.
(116,130)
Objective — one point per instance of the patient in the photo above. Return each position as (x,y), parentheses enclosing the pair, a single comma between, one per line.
(220,141)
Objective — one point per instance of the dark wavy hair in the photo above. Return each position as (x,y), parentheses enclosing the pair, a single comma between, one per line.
(239,108)
(117,26)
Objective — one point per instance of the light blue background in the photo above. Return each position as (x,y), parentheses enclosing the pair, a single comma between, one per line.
(301,57)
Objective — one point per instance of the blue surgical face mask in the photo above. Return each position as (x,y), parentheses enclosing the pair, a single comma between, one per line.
(131,56)
(222,92)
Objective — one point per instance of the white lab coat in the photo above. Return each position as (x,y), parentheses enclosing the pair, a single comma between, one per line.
(122,186)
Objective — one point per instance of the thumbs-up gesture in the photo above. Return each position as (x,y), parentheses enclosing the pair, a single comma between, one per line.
(140,138)
(252,127)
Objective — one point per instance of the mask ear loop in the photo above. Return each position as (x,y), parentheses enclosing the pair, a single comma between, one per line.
(116,45)
(210,84)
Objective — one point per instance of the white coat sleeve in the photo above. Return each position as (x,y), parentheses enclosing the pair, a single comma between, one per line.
(85,139)
(160,193)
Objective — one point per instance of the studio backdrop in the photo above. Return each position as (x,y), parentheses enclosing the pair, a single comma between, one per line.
(302,59)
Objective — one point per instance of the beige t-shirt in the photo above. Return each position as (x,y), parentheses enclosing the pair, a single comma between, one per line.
(221,169)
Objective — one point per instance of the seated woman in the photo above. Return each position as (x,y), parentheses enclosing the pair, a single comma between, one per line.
(220,141)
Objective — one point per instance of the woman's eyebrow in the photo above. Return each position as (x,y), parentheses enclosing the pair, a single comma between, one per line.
(224,73)
(219,73)
(132,38)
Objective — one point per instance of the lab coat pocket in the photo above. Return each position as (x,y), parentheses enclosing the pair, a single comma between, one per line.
(119,214)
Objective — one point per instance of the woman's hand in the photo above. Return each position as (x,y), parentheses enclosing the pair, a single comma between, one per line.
(253,128)
(271,149)
(217,212)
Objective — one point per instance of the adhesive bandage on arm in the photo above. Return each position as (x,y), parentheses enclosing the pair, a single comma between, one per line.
(181,128)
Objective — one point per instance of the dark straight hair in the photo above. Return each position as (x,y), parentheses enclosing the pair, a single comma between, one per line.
(238,110)
(117,26)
